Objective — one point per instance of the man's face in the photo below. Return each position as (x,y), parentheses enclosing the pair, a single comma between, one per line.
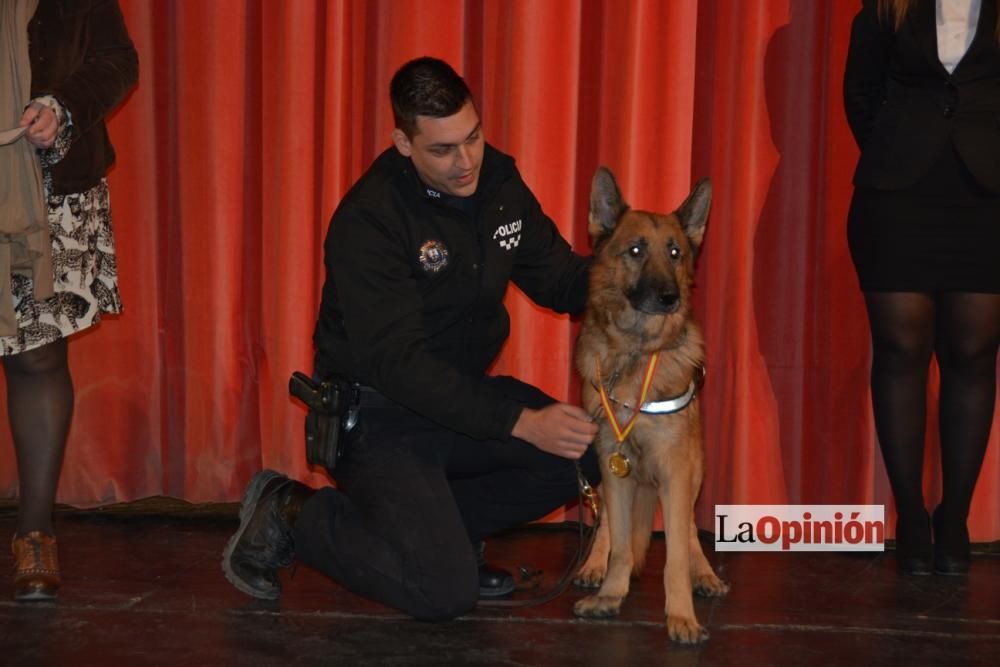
(447,152)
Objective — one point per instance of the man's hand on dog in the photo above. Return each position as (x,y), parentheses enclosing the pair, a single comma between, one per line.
(560,429)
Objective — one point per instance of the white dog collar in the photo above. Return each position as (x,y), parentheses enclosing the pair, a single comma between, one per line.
(675,404)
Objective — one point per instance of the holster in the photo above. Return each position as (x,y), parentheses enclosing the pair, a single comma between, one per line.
(333,411)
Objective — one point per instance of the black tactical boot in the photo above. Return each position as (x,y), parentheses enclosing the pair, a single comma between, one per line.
(263,542)
(493,582)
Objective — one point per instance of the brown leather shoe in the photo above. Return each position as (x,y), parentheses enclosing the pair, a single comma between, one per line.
(36,567)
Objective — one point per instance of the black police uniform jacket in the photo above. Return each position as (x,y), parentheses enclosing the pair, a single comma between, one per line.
(904,107)
(413,299)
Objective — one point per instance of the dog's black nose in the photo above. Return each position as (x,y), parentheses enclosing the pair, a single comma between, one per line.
(660,297)
(656,302)
(670,301)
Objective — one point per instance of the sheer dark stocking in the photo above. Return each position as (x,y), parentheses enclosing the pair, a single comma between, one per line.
(968,334)
(40,406)
(902,325)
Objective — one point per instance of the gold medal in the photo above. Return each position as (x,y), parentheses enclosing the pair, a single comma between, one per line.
(619,465)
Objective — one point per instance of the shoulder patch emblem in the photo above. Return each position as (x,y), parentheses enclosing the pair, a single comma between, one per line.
(508,235)
(433,256)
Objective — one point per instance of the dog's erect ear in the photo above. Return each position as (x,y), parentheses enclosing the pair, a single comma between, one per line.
(606,204)
(693,213)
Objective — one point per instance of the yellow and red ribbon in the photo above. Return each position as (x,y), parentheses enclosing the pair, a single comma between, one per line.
(647,381)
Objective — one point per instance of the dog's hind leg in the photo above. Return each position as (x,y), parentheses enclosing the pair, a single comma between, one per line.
(591,573)
(607,601)
(643,511)
(677,501)
(703,579)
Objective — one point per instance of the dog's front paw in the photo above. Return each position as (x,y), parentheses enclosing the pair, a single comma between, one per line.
(685,630)
(597,606)
(589,576)
(709,585)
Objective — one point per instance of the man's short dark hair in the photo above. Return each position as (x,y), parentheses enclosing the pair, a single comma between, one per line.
(426,87)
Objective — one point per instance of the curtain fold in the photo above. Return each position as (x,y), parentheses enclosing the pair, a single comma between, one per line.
(253,118)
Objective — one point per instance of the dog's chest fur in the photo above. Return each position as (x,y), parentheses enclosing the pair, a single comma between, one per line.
(624,371)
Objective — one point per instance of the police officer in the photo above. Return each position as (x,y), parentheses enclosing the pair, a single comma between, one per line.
(418,257)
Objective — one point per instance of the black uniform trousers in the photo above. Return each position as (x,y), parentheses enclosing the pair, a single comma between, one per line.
(413,498)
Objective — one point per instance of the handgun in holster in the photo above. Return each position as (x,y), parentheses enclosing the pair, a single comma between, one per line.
(333,411)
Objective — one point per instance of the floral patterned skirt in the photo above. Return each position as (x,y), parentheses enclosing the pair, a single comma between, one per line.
(86,273)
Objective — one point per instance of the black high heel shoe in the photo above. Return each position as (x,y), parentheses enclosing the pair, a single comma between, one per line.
(951,544)
(913,544)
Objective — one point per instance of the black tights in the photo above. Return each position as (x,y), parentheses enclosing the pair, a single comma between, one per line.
(963,330)
(40,406)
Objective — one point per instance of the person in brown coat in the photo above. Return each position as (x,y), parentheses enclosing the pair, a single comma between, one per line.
(63,66)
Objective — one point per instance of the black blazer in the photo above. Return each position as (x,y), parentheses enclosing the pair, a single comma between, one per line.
(904,107)
(81,54)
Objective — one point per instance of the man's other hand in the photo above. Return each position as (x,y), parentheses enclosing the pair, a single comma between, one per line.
(560,429)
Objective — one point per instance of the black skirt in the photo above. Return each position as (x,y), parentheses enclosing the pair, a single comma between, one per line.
(940,235)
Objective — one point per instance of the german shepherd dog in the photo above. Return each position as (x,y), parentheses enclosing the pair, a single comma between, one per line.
(638,306)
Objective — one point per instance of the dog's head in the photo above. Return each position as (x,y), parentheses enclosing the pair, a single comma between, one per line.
(644,262)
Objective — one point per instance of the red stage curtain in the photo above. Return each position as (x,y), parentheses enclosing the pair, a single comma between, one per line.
(253,118)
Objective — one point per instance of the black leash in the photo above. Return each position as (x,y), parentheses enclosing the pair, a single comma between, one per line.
(588,498)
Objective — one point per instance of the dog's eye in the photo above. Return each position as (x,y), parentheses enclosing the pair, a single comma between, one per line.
(675,252)
(635,251)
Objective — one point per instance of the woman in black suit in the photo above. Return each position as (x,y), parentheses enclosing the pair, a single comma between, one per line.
(922,96)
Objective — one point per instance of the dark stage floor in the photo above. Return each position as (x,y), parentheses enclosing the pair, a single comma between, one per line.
(143,586)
